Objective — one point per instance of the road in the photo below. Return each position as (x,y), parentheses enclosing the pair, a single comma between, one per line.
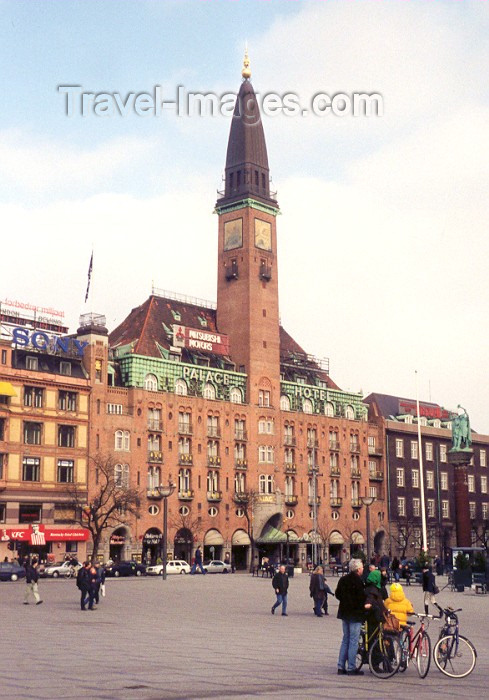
(201,637)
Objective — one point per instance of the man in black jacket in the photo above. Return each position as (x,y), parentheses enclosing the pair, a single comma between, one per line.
(350,592)
(31,579)
(83,583)
(280,583)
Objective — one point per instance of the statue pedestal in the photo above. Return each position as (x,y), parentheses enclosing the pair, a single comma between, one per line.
(460,460)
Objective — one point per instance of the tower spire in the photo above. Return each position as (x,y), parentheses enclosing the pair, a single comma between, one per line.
(246,70)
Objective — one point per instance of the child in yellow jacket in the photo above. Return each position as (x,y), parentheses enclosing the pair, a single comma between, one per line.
(398,604)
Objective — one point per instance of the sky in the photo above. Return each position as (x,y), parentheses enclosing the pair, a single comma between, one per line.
(382,237)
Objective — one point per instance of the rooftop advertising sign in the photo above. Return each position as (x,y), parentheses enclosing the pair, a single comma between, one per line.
(200,340)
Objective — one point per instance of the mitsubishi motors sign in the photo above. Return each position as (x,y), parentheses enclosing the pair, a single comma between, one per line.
(198,339)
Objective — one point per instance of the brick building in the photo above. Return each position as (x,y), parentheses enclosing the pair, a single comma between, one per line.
(259,440)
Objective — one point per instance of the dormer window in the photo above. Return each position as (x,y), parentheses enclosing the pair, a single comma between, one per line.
(176,315)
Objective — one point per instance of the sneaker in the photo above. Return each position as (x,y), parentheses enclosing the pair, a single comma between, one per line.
(25,603)
(341,672)
(39,602)
(273,610)
(284,615)
(355,672)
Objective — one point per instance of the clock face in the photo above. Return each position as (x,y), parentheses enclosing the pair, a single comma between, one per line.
(263,234)
(233,234)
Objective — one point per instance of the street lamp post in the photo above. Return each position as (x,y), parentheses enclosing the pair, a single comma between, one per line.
(165,491)
(367,502)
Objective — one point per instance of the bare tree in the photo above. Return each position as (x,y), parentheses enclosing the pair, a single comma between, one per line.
(247,500)
(404,534)
(111,500)
(324,530)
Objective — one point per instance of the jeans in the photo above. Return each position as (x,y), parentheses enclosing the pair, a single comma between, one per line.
(349,644)
(32,588)
(87,597)
(318,604)
(194,567)
(281,600)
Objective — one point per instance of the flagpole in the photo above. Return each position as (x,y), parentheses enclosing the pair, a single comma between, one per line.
(421,472)
(89,280)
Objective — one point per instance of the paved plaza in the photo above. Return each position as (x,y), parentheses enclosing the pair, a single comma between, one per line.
(201,637)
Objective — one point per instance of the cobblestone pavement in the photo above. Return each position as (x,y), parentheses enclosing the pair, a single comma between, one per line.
(201,637)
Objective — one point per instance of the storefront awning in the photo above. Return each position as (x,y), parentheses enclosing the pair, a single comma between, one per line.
(213,537)
(270,535)
(6,389)
(240,537)
(357,538)
(336,538)
(293,537)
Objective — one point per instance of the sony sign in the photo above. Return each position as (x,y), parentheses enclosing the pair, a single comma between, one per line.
(42,341)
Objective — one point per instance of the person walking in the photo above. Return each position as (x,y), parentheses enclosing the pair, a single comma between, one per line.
(197,562)
(430,589)
(94,587)
(327,591)
(280,583)
(83,583)
(351,611)
(317,590)
(31,579)
(100,571)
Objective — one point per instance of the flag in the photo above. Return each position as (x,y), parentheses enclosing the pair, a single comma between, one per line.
(89,276)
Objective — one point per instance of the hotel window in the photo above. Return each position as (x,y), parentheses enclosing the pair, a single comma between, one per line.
(372,491)
(289,485)
(483,484)
(209,391)
(401,506)
(67,401)
(445,509)
(154,443)
(240,483)
(239,429)
(288,455)
(329,409)
(349,413)
(414,449)
(430,481)
(265,426)
(66,470)
(284,403)
(371,444)
(154,475)
(31,363)
(184,445)
(122,440)
(416,507)
(263,398)
(183,480)
(431,538)
(32,433)
(33,396)
(334,488)
(430,507)
(444,481)
(265,454)
(333,459)
(415,478)
(429,451)
(265,483)
(399,448)
(180,387)
(121,476)
(472,510)
(213,481)
(184,422)
(31,469)
(154,419)
(212,449)
(151,382)
(482,458)
(235,395)
(307,406)
(66,436)
(213,426)
(485,511)
(471,483)
(417,537)
(443,453)
(400,476)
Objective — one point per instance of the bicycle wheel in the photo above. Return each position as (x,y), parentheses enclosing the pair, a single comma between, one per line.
(423,655)
(404,644)
(452,660)
(385,656)
(360,658)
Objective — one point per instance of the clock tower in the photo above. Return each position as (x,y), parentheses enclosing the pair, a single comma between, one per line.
(247,283)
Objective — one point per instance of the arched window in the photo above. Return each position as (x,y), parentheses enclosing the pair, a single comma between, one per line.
(121,476)
(209,391)
(122,440)
(235,395)
(240,482)
(349,412)
(153,478)
(329,409)
(266,483)
(307,406)
(284,403)
(151,382)
(154,443)
(289,485)
(183,480)
(213,481)
(181,387)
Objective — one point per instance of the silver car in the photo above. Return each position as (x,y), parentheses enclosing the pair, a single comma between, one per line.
(216,566)
(64,569)
(175,566)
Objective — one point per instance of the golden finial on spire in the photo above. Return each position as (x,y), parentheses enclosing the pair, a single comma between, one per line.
(246,72)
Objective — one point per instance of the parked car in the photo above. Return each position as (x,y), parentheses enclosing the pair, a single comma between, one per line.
(10,571)
(215,566)
(125,568)
(175,566)
(66,569)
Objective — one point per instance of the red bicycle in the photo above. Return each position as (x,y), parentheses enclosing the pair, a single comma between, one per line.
(416,647)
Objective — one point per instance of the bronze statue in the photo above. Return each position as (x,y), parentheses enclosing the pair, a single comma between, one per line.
(461,431)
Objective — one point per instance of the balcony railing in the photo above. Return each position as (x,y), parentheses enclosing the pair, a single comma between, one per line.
(356,502)
(375,450)
(240,497)
(185,459)
(334,445)
(213,431)
(335,502)
(355,473)
(155,456)
(241,464)
(354,447)
(290,468)
(289,440)
(334,471)
(375,475)
(312,442)
(153,494)
(155,425)
(213,461)
(214,496)
(186,495)
(291,499)
(310,500)
(240,434)
(185,428)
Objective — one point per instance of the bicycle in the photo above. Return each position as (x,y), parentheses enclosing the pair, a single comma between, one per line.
(364,642)
(454,655)
(385,654)
(416,646)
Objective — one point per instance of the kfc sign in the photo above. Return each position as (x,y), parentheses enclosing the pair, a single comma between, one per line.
(204,341)
(39,535)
